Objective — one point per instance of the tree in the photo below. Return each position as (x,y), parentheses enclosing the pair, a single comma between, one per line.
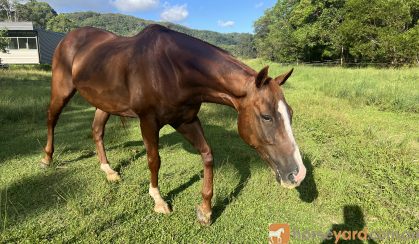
(16,10)
(263,47)
(61,23)
(8,10)
(375,30)
(245,46)
(273,33)
(37,12)
(357,30)
(315,24)
(4,42)
(300,30)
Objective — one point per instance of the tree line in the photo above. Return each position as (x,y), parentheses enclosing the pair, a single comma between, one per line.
(357,31)
(37,12)
(350,31)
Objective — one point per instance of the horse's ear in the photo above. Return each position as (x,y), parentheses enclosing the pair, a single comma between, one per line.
(262,78)
(282,78)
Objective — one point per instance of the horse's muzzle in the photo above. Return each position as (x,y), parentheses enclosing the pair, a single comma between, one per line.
(292,179)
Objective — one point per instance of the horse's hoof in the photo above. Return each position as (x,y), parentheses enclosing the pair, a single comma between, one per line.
(45,163)
(203,218)
(162,208)
(114,177)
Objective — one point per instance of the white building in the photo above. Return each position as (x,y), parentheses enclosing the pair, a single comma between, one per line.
(28,45)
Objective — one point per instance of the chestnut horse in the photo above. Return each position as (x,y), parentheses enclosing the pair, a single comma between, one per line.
(162,77)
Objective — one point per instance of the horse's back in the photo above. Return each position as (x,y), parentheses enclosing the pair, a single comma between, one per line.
(77,41)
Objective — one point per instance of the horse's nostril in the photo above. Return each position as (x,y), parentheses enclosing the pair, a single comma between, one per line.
(291,177)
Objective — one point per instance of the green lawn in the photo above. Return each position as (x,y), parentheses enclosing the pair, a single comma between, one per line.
(357,129)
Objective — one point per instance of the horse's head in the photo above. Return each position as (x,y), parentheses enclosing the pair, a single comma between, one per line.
(265,123)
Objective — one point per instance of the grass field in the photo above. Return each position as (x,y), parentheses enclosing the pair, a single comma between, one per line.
(357,129)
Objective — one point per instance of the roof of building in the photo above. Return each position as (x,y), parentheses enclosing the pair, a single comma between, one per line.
(48,41)
(16,25)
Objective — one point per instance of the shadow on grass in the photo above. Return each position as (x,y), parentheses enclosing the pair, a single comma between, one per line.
(23,139)
(173,193)
(84,155)
(135,145)
(353,221)
(34,195)
(221,205)
(308,188)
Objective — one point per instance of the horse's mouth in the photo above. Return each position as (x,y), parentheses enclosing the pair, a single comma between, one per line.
(271,163)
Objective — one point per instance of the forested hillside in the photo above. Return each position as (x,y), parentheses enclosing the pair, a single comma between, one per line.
(125,25)
(351,30)
(44,16)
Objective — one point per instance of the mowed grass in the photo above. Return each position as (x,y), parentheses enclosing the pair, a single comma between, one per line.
(357,130)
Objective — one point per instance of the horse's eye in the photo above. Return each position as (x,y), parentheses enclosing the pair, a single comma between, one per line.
(266,117)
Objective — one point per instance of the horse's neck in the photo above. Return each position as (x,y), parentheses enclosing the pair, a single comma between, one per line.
(232,80)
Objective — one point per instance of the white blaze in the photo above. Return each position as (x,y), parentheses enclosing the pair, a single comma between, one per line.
(282,109)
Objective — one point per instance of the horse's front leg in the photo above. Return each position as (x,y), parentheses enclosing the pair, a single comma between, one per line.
(194,133)
(150,133)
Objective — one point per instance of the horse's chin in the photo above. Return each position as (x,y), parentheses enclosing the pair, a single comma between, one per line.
(289,186)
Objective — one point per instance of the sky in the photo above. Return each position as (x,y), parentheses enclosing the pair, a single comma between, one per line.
(216,15)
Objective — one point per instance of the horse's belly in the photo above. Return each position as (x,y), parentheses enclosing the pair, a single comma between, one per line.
(183,114)
(112,101)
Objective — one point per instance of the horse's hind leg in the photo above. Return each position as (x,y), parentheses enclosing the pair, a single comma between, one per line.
(98,131)
(62,89)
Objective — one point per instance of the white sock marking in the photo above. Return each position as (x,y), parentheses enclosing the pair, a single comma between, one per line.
(155,194)
(107,169)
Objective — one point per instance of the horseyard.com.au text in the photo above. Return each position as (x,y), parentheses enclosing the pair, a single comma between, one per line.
(282,234)
(353,235)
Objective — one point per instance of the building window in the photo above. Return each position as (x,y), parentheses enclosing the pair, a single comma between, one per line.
(23,43)
(13,43)
(32,43)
